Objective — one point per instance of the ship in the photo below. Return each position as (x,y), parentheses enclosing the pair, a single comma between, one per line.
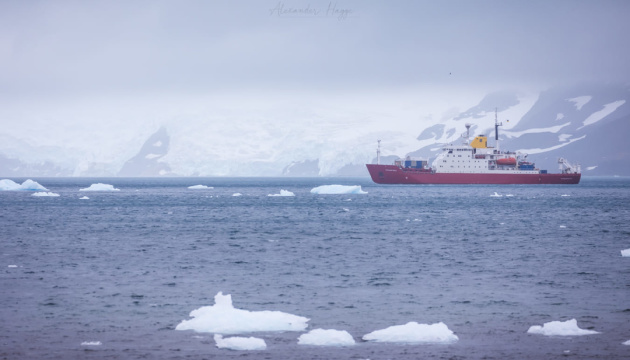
(472,162)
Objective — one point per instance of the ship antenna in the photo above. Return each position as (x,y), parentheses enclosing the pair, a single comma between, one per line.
(496,129)
(378,153)
(468,132)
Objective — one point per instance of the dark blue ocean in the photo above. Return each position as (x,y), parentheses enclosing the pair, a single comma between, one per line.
(124,268)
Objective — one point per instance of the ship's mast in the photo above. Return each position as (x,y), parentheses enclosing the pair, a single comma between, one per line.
(378,153)
(496,129)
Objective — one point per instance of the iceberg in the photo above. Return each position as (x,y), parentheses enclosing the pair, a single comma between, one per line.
(237,194)
(84,198)
(91,343)
(283,193)
(412,332)
(200,187)
(29,185)
(44,194)
(100,187)
(626,342)
(496,194)
(321,337)
(338,189)
(560,328)
(223,318)
(240,343)
(625,253)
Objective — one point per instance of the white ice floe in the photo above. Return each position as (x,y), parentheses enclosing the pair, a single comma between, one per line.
(413,332)
(626,342)
(560,328)
(29,185)
(200,187)
(496,194)
(13,266)
(321,337)
(84,198)
(240,343)
(91,343)
(625,253)
(338,189)
(563,226)
(100,187)
(283,193)
(237,194)
(223,318)
(43,193)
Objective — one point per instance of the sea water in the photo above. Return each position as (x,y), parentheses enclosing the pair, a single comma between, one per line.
(93,275)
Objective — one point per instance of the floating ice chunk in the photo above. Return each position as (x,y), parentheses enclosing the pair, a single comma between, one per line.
(29,185)
(84,198)
(283,193)
(560,328)
(565,195)
(200,187)
(237,194)
(413,332)
(240,343)
(223,318)
(591,167)
(44,194)
(625,253)
(496,194)
(100,187)
(321,337)
(12,266)
(91,343)
(509,195)
(563,227)
(338,189)
(626,342)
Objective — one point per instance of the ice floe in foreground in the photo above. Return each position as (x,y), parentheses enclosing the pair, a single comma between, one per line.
(91,343)
(626,342)
(560,328)
(223,318)
(338,189)
(496,194)
(100,187)
(413,332)
(240,343)
(321,337)
(43,193)
(84,198)
(237,194)
(200,187)
(283,193)
(625,253)
(29,185)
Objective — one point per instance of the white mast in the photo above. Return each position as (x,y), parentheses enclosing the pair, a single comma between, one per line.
(496,130)
(378,153)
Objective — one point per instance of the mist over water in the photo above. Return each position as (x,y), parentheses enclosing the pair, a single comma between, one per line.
(124,268)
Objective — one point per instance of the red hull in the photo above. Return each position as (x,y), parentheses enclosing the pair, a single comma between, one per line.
(391,174)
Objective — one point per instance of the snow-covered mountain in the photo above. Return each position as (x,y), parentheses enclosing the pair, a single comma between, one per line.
(586,124)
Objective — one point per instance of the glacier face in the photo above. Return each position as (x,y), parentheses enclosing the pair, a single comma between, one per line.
(309,134)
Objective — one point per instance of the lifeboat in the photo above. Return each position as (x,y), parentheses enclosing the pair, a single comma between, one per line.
(506,161)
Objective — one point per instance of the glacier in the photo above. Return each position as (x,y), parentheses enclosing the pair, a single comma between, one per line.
(308,134)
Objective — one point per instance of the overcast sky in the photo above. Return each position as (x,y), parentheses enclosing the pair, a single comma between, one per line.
(99,48)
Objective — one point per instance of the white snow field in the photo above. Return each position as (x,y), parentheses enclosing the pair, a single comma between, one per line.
(560,328)
(223,318)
